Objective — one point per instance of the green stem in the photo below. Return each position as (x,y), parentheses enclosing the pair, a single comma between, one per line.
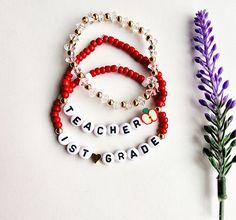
(221,182)
(221,210)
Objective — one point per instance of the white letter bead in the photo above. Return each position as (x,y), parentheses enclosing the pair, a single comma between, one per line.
(64,139)
(69,109)
(85,153)
(144,149)
(125,128)
(108,158)
(153,141)
(136,123)
(100,130)
(87,127)
(73,148)
(132,153)
(120,155)
(76,120)
(113,129)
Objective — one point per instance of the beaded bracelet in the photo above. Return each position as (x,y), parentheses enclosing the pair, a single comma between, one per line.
(108,157)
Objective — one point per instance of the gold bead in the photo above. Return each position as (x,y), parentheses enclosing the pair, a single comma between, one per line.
(58,131)
(162,136)
(99,95)
(85,20)
(78,32)
(123,104)
(95,16)
(130,24)
(88,87)
(146,96)
(158,109)
(110,102)
(73,64)
(148,37)
(141,30)
(154,73)
(150,86)
(69,52)
(136,102)
(151,47)
(80,75)
(71,41)
(63,100)
(119,18)
(107,16)
(152,59)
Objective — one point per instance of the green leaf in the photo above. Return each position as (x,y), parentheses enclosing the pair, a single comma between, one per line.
(207,152)
(145,110)
(227,169)
(207,138)
(233,143)
(214,163)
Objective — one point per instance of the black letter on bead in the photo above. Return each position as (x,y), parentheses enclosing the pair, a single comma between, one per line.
(125,129)
(108,158)
(144,149)
(154,141)
(133,154)
(76,120)
(70,109)
(98,130)
(88,126)
(113,130)
(72,148)
(121,155)
(64,138)
(136,123)
(85,152)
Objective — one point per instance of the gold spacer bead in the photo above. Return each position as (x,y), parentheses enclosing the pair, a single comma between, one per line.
(123,104)
(148,37)
(130,24)
(141,30)
(71,42)
(146,96)
(69,52)
(88,87)
(158,109)
(107,16)
(150,86)
(151,47)
(78,32)
(80,75)
(154,73)
(73,64)
(161,136)
(99,95)
(58,131)
(85,20)
(110,102)
(63,100)
(136,102)
(152,59)
(119,18)
(95,16)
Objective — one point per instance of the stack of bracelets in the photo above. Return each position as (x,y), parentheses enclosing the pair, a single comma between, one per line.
(155,87)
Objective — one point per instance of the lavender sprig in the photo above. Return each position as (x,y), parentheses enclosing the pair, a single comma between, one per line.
(219,141)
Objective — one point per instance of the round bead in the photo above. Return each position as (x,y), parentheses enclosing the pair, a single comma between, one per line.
(153,141)
(125,128)
(100,130)
(120,156)
(136,102)
(130,24)
(88,87)
(110,102)
(69,109)
(136,123)
(76,120)
(99,95)
(85,20)
(87,127)
(119,18)
(143,149)
(108,158)
(123,104)
(146,96)
(107,16)
(132,154)
(95,16)
(64,139)
(63,100)
(113,129)
(141,30)
(73,148)
(58,130)
(85,153)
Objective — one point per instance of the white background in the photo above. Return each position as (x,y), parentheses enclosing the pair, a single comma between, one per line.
(40,181)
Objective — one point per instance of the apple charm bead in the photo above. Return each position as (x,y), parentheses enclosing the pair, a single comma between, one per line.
(149,115)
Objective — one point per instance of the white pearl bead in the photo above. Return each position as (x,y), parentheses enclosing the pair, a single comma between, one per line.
(73,148)
(120,155)
(85,153)
(125,128)
(132,154)
(113,129)
(100,130)
(136,123)
(64,139)
(153,141)
(69,109)
(76,120)
(87,127)
(144,149)
(108,158)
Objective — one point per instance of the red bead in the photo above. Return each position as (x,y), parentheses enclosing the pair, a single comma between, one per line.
(65,94)
(110,40)
(121,44)
(73,85)
(140,78)
(130,73)
(105,38)
(135,54)
(65,88)
(159,103)
(162,88)
(99,41)
(164,93)
(65,82)
(93,73)
(70,90)
(115,42)
(93,43)
(83,54)
(162,82)
(87,51)
(56,108)
(113,68)
(126,47)
(163,120)
(97,70)
(54,114)
(162,131)
(159,74)
(120,69)
(91,48)
(102,70)
(58,125)
(57,102)
(108,69)
(162,114)
(135,76)
(126,70)
(56,119)
(76,81)
(162,98)
(139,57)
(78,59)
(163,125)
(131,50)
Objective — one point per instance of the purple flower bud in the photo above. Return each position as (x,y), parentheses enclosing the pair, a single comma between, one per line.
(225,84)
(228,103)
(203,102)
(211,39)
(198,30)
(220,70)
(233,134)
(208,96)
(201,87)
(208,23)
(216,57)
(198,75)
(208,117)
(198,48)
(202,72)
(209,30)
(232,105)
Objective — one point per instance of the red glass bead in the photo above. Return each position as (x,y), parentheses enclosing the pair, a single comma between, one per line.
(120,69)
(115,42)
(131,50)
(135,76)
(91,47)
(65,94)
(54,114)
(102,70)
(114,68)
(99,41)
(108,69)
(126,47)
(105,38)
(56,108)
(130,73)
(140,78)
(93,73)
(162,131)
(97,70)
(58,125)
(110,40)
(135,54)
(161,114)
(93,43)
(126,70)
(121,44)
(87,51)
